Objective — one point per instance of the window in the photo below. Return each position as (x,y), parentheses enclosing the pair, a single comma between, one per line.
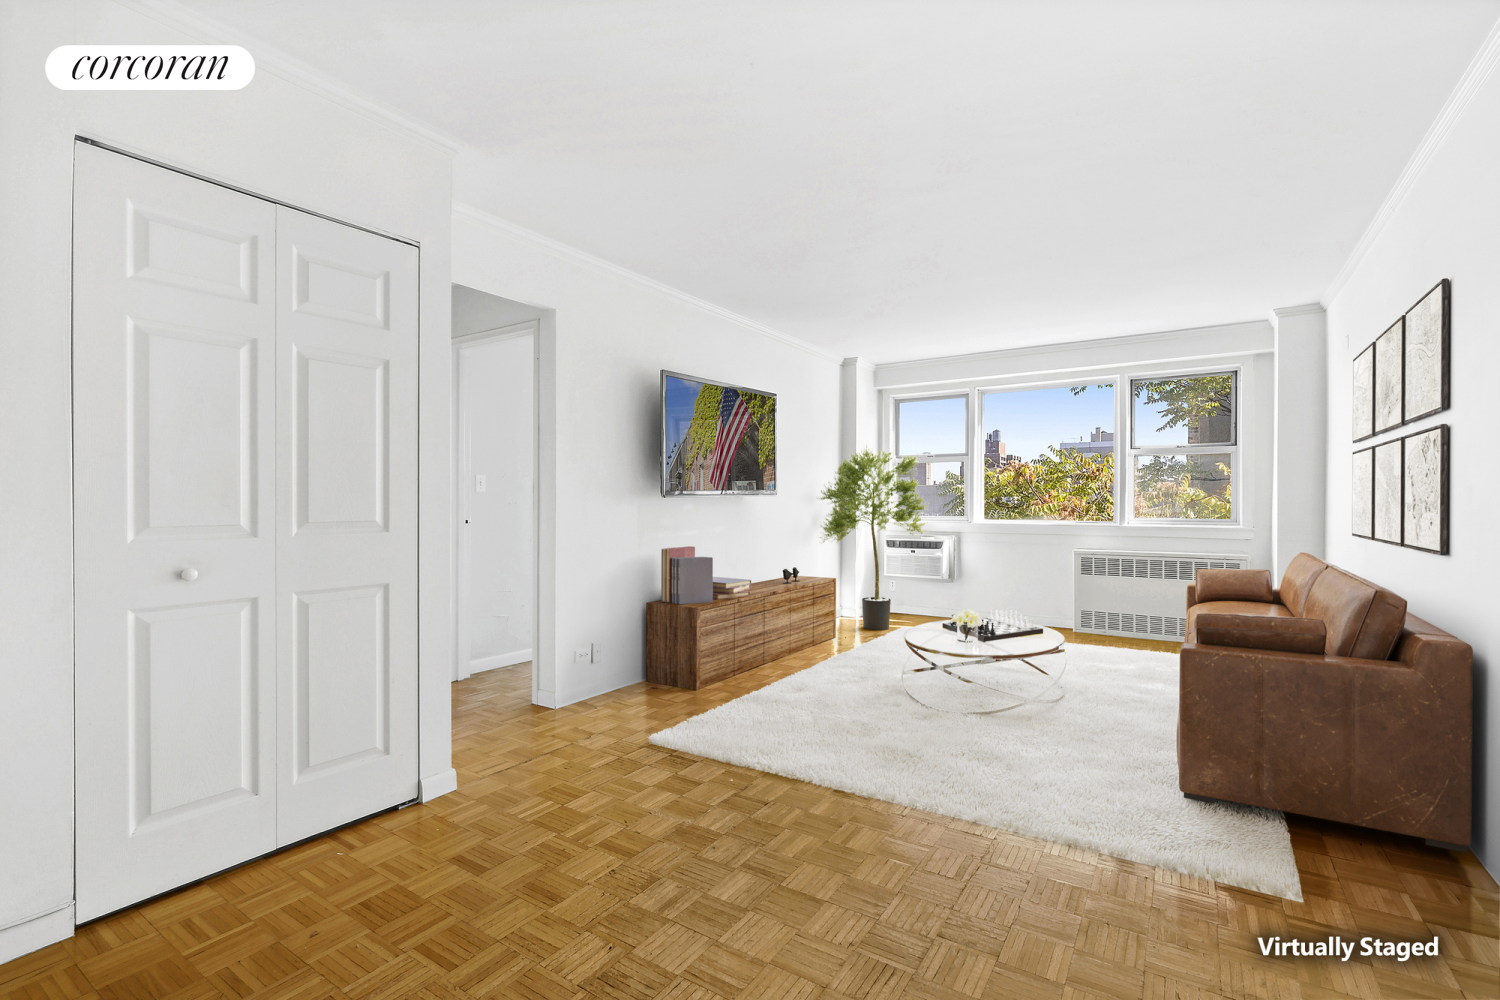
(935,431)
(1183,446)
(1049,454)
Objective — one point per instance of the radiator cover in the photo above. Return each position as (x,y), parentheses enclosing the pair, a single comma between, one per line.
(1138,595)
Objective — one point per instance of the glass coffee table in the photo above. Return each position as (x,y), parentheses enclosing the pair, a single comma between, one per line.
(982,678)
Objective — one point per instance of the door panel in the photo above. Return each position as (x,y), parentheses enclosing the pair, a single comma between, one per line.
(347,552)
(343,678)
(173,409)
(192,689)
(191,415)
(342,423)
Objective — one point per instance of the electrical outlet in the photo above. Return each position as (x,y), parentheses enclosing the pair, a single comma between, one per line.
(582,655)
(478,484)
(597,653)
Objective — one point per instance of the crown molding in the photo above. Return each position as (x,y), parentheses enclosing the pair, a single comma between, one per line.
(547,244)
(859,363)
(1090,345)
(1305,309)
(278,63)
(1478,71)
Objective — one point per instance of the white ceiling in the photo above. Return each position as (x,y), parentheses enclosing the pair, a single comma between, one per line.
(897,180)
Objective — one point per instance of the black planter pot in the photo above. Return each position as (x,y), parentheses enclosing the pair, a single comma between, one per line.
(877,614)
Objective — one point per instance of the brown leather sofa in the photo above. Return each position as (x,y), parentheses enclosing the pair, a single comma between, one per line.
(1325,698)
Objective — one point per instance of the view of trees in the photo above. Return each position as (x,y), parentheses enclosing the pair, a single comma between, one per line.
(1068,485)
(1064,485)
(1165,487)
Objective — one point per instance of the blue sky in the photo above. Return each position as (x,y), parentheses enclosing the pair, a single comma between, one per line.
(1029,420)
(678,408)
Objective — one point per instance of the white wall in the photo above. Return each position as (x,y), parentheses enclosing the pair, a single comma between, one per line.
(1029,566)
(859,430)
(272,138)
(1445,227)
(603,518)
(497,441)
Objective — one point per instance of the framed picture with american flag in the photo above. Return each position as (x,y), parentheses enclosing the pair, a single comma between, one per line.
(716,438)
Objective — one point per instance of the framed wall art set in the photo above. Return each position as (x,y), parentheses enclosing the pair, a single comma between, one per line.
(1399,488)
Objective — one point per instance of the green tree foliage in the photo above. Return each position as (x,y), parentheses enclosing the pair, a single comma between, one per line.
(872,489)
(1164,487)
(763,412)
(1065,485)
(1183,400)
(703,428)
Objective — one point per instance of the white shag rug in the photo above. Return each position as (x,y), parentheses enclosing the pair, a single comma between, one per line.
(1097,770)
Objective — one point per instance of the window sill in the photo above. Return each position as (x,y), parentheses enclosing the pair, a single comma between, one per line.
(1226,531)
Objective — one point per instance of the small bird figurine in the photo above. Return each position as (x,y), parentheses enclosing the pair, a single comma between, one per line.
(786,576)
(794,574)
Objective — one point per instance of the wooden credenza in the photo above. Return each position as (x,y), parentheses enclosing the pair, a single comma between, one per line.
(695,645)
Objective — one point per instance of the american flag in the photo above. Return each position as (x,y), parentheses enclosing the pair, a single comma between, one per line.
(734,421)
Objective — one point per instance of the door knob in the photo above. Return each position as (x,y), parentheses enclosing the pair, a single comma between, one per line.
(189,574)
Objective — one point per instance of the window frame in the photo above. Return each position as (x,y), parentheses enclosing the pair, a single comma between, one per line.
(1125,471)
(933,458)
(977,481)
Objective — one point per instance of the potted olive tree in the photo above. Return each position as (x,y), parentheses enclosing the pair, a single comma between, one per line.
(872,489)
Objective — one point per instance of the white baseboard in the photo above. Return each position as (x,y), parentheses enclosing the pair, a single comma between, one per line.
(438,784)
(28,935)
(499,660)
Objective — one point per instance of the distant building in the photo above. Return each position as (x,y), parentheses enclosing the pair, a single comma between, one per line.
(1101,442)
(995,456)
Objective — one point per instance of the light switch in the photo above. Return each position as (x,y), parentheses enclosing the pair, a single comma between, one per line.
(478,484)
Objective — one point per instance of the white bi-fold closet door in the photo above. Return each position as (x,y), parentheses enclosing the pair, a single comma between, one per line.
(245,506)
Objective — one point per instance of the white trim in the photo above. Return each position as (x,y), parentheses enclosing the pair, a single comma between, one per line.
(26,935)
(977,362)
(561,250)
(483,663)
(272,60)
(859,363)
(438,784)
(462,669)
(1306,309)
(1458,102)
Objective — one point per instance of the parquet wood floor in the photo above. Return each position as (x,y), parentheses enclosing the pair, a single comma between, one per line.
(578,861)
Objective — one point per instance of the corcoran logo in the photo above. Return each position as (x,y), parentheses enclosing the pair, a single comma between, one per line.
(150,67)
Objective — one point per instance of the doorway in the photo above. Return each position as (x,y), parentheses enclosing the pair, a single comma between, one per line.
(495,357)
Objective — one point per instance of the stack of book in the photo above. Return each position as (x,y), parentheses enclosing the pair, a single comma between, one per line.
(730,586)
(667,555)
(690,579)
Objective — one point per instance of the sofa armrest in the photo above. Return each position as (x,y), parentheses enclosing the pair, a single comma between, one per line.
(1284,635)
(1232,585)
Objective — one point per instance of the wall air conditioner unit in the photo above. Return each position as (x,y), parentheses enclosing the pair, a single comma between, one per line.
(1140,595)
(921,557)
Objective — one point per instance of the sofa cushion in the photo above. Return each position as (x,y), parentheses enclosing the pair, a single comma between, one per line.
(1301,573)
(1242,608)
(1233,585)
(1271,632)
(1363,620)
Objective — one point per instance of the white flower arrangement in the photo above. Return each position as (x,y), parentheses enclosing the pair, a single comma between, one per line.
(966,618)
